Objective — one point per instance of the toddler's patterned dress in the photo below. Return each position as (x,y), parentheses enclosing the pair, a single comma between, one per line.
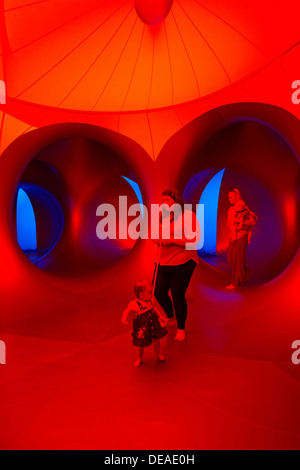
(146,326)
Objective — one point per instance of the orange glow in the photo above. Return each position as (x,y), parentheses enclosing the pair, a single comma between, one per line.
(99,56)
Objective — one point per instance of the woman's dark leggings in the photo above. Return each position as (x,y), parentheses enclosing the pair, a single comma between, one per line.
(176,279)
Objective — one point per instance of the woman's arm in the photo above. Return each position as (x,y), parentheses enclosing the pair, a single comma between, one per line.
(175,241)
(233,222)
(161,318)
(238,225)
(191,232)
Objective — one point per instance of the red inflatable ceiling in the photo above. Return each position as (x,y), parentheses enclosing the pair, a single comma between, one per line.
(99,56)
(98,62)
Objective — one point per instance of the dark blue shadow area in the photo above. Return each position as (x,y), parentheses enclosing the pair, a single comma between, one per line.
(39,220)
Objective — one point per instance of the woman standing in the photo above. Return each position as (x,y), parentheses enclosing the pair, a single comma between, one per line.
(239,239)
(178,258)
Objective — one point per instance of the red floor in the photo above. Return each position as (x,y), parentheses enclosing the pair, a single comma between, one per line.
(70,382)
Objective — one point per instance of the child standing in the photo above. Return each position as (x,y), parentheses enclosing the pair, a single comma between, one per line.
(147,321)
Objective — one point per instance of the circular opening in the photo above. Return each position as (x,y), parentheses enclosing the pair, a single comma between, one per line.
(255,159)
(56,206)
(154,12)
(39,221)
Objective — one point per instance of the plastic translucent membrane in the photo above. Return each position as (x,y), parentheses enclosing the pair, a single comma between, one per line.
(97,55)
(256,160)
(39,221)
(64,184)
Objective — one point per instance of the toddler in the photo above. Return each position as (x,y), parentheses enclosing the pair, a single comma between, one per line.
(148,323)
(242,215)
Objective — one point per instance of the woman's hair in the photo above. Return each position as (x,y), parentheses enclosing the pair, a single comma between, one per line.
(175,195)
(237,192)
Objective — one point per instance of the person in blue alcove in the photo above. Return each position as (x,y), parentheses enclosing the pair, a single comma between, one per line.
(240,220)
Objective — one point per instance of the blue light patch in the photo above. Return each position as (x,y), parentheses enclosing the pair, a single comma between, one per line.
(26,223)
(209,223)
(137,191)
